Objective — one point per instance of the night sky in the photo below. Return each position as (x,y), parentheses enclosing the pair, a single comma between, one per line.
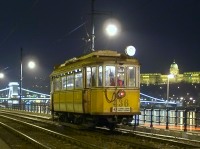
(51,32)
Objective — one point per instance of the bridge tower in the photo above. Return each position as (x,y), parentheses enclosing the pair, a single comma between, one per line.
(13,90)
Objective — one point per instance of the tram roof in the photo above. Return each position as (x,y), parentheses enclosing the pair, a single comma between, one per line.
(99,53)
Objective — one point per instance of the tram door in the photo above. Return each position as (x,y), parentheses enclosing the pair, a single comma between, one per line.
(86,101)
(87,89)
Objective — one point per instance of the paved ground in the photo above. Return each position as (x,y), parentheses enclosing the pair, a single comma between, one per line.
(173,127)
(3,145)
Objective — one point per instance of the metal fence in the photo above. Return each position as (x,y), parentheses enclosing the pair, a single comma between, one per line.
(184,117)
(31,107)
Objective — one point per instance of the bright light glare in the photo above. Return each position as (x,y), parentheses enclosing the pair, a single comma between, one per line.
(111,27)
(31,64)
(170,76)
(1,75)
(111,30)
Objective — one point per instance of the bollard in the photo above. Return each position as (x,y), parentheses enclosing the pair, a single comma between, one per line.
(196,119)
(138,120)
(151,125)
(144,115)
(134,127)
(159,117)
(167,120)
(176,116)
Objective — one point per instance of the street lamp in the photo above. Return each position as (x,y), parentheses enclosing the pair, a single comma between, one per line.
(31,65)
(1,75)
(170,76)
(111,29)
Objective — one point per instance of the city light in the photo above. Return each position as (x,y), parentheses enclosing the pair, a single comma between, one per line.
(170,76)
(111,27)
(1,75)
(111,30)
(31,64)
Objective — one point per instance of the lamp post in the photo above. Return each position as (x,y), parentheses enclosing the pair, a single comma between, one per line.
(111,29)
(170,76)
(31,65)
(20,87)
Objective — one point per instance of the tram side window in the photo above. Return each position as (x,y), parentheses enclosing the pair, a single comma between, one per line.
(100,76)
(78,80)
(88,76)
(131,76)
(64,79)
(110,76)
(120,76)
(70,81)
(57,84)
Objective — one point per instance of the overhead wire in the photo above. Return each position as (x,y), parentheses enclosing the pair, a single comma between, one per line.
(70,32)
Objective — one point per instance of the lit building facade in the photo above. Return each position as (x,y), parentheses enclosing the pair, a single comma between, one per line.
(158,78)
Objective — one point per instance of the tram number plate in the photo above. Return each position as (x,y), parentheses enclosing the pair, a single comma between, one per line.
(121,109)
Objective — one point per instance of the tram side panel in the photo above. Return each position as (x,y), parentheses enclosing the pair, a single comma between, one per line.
(62,101)
(68,101)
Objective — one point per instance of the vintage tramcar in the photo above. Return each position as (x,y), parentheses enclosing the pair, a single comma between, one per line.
(101,88)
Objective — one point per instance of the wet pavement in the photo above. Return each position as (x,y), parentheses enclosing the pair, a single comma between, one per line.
(172,127)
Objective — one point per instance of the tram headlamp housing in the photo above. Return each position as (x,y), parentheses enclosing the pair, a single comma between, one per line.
(130,50)
(121,94)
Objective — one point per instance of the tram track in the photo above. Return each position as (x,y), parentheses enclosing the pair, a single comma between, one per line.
(41,137)
(103,138)
(101,141)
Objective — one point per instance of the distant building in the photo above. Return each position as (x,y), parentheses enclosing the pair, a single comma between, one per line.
(158,78)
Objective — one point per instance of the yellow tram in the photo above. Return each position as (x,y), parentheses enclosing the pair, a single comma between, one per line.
(101,88)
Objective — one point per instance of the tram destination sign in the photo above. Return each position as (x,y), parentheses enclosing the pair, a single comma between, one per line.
(121,109)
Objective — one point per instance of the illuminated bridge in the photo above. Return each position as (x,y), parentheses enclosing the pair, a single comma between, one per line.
(12,93)
(146,100)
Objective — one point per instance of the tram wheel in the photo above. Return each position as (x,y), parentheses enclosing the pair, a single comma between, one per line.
(124,121)
(111,126)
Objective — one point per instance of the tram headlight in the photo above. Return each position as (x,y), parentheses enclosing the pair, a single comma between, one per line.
(121,94)
(130,50)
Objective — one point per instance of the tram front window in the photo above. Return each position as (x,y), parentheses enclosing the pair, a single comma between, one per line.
(131,76)
(88,75)
(100,76)
(110,76)
(120,76)
(94,77)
